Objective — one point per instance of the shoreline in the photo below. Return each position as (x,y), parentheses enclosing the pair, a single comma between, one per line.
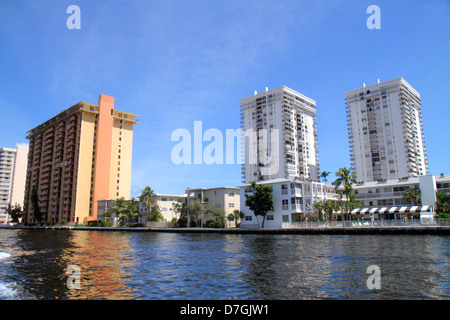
(412,230)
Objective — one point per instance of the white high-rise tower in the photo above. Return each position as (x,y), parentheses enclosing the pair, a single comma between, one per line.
(385,131)
(285,141)
(13,168)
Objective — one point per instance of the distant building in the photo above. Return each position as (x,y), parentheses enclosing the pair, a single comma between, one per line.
(293,153)
(78,157)
(293,201)
(225,198)
(13,168)
(385,131)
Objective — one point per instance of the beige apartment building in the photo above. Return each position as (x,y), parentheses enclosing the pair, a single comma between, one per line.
(77,158)
(224,198)
(166,203)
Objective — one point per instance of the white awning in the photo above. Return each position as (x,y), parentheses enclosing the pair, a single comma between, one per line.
(382,210)
(425,209)
(403,209)
(364,210)
(391,210)
(414,209)
(373,210)
(355,211)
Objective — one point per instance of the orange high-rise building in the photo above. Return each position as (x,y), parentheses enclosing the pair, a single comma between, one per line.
(76,158)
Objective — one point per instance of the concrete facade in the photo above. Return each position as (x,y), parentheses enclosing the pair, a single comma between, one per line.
(281,136)
(385,131)
(77,158)
(13,167)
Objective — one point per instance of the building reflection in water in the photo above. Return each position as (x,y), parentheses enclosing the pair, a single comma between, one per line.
(103,258)
(135,265)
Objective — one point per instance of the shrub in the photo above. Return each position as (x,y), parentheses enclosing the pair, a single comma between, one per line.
(214,224)
(106,223)
(136,225)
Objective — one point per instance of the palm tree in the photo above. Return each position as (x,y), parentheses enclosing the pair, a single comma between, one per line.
(442,202)
(345,178)
(235,216)
(329,206)
(132,210)
(147,196)
(119,208)
(324,175)
(412,195)
(319,206)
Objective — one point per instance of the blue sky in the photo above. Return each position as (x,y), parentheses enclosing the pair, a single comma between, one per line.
(176,62)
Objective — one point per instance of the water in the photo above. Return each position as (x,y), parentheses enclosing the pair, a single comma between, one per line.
(140,265)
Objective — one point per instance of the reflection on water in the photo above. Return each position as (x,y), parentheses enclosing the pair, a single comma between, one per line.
(127,265)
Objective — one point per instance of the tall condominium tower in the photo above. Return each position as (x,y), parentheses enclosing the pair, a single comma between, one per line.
(13,167)
(385,131)
(284,144)
(80,156)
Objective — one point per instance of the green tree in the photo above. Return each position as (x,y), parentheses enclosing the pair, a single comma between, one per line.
(194,209)
(155,214)
(354,203)
(412,195)
(219,214)
(442,202)
(132,210)
(15,212)
(345,178)
(119,209)
(180,210)
(261,201)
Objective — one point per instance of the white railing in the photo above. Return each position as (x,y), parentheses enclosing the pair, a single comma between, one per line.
(367,223)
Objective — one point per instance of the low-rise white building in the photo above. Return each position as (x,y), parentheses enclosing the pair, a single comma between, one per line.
(293,200)
(385,199)
(390,192)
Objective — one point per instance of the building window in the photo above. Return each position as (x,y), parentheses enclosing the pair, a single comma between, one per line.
(270,217)
(248,218)
(231,205)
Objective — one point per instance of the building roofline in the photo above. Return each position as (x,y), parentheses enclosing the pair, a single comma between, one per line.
(384,83)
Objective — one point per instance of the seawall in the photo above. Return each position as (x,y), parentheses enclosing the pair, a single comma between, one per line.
(413,230)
